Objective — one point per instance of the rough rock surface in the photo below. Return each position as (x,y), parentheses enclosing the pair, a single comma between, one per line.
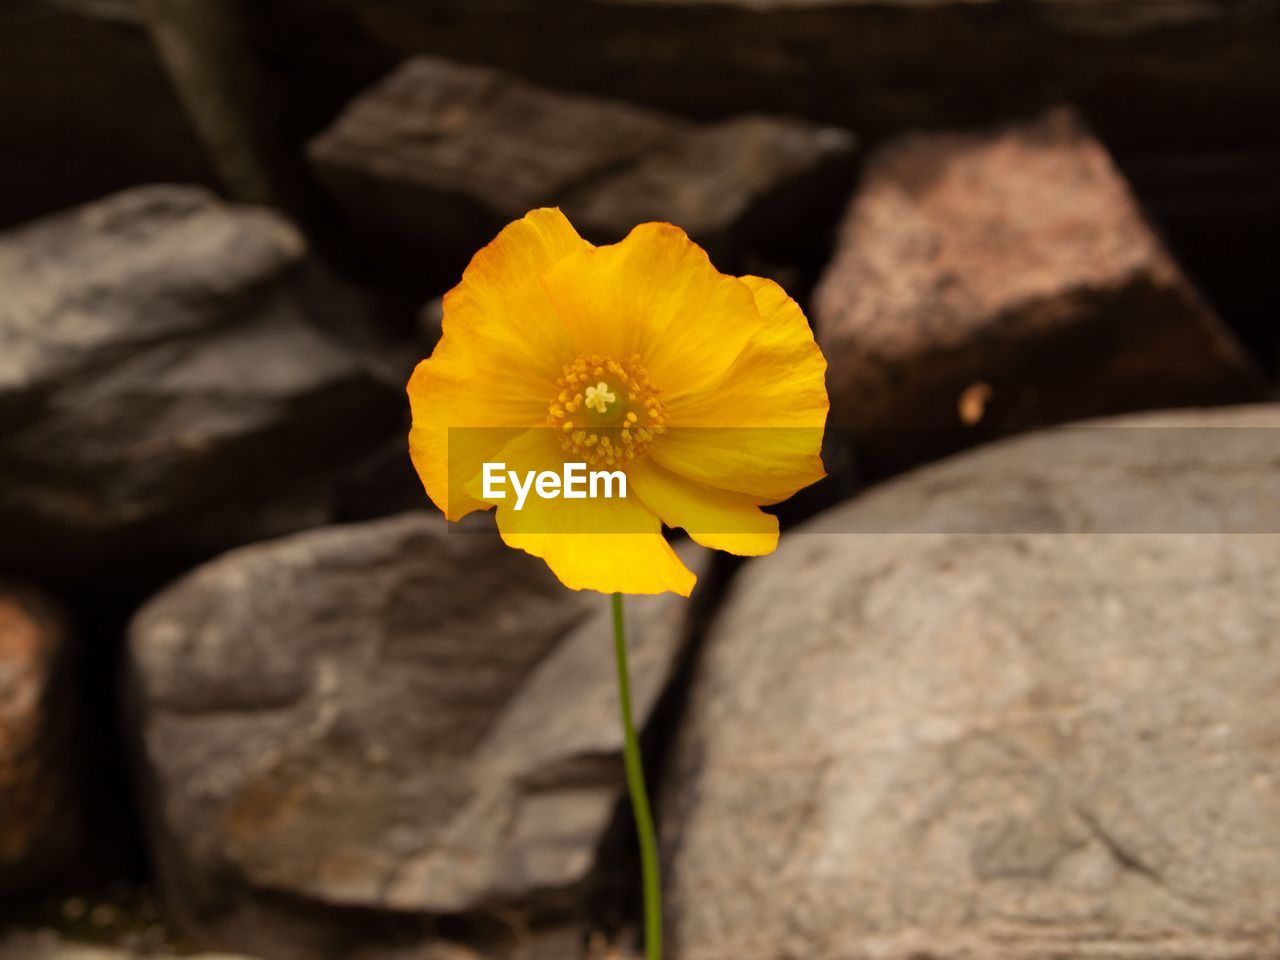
(1017,259)
(39,823)
(391,715)
(46,946)
(1002,745)
(439,156)
(161,388)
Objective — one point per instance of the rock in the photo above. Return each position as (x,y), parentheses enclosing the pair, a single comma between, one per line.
(47,946)
(162,391)
(39,821)
(973,739)
(392,716)
(1016,262)
(91,65)
(437,158)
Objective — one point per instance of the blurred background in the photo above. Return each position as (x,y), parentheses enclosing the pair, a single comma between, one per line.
(255,699)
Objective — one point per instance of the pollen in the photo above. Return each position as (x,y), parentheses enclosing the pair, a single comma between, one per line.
(622,407)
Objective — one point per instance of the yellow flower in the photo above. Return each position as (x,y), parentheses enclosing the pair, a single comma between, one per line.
(707,391)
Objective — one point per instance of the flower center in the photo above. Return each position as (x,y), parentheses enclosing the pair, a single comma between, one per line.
(606,410)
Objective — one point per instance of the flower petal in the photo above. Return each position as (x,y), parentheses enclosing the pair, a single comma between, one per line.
(767,465)
(657,295)
(441,392)
(778,380)
(758,429)
(609,545)
(500,308)
(712,518)
(493,372)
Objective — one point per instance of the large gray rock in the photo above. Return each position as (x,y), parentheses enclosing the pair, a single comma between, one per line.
(438,157)
(161,388)
(394,716)
(39,820)
(1017,260)
(1011,744)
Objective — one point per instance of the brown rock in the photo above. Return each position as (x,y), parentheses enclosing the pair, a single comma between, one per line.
(38,822)
(1017,263)
(999,725)
(395,716)
(437,158)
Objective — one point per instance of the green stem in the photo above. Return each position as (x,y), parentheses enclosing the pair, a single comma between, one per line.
(639,796)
